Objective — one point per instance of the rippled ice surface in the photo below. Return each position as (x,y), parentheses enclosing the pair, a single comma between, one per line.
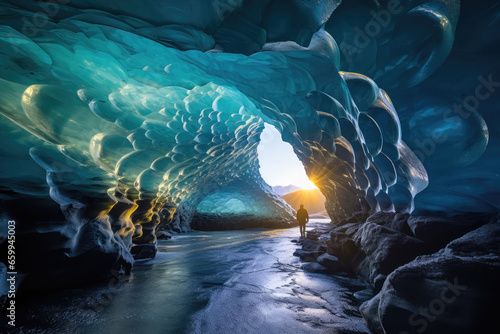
(207,282)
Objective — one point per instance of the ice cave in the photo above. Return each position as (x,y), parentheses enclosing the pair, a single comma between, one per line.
(126,122)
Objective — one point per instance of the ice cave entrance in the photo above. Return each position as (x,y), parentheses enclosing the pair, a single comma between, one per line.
(243,204)
(279,165)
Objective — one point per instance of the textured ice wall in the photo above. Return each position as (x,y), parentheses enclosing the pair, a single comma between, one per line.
(438,62)
(240,205)
(128,125)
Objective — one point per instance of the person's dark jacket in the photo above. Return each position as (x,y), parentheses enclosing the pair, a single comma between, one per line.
(302,216)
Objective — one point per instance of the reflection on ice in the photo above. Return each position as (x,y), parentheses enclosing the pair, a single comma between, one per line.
(243,281)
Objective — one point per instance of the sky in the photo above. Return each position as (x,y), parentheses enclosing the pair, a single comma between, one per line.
(278,163)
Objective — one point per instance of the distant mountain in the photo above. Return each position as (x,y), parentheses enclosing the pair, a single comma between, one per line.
(283,190)
(321,215)
(313,200)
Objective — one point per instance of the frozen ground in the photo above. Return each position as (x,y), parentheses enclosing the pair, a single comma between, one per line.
(207,282)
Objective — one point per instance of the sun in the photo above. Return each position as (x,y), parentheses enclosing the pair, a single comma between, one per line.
(307,185)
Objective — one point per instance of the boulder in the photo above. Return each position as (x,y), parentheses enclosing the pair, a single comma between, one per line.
(336,237)
(349,250)
(313,246)
(331,262)
(312,235)
(364,295)
(452,291)
(352,230)
(307,256)
(147,251)
(314,267)
(343,247)
(344,228)
(355,218)
(386,250)
(437,232)
(163,235)
(369,311)
(392,220)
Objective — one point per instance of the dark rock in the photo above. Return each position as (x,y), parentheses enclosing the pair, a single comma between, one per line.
(364,295)
(92,258)
(314,267)
(356,218)
(369,311)
(147,251)
(394,221)
(345,227)
(335,241)
(385,250)
(349,250)
(378,281)
(352,230)
(163,235)
(307,256)
(357,260)
(334,249)
(331,262)
(312,235)
(452,291)
(437,232)
(484,241)
(381,218)
(336,236)
(342,247)
(313,246)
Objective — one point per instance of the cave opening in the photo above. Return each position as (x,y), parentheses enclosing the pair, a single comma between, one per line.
(279,165)
(282,170)
(261,200)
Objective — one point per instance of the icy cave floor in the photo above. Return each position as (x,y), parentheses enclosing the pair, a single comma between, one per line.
(208,282)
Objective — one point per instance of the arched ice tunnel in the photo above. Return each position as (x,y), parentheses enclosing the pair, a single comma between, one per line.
(116,125)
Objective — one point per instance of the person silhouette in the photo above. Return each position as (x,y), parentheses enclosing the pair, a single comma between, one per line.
(303,218)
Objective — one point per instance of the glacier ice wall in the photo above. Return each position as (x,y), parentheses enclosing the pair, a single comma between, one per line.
(443,77)
(130,117)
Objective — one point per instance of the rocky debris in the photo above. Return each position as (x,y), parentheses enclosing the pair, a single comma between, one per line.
(312,235)
(386,241)
(364,295)
(349,249)
(147,251)
(313,246)
(307,256)
(311,250)
(163,235)
(385,250)
(450,291)
(331,262)
(314,267)
(355,218)
(446,292)
(334,256)
(392,220)
(351,227)
(343,247)
(369,311)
